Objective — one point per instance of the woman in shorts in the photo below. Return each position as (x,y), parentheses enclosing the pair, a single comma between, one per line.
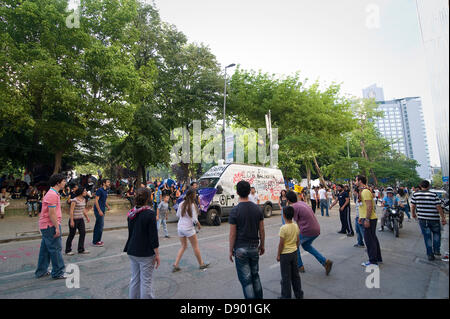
(187,217)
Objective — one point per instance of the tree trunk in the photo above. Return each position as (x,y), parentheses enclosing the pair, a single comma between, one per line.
(185,168)
(139,176)
(58,162)
(364,154)
(144,178)
(308,175)
(322,180)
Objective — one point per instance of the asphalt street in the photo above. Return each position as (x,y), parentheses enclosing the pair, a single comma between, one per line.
(405,273)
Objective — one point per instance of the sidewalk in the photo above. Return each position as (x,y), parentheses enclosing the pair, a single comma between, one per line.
(16,227)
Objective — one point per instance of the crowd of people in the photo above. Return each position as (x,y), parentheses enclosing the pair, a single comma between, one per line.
(151,204)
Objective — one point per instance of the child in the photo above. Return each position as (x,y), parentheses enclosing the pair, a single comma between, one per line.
(162,214)
(287,256)
(17,193)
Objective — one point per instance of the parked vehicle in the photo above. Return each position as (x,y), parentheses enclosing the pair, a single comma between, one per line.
(268,183)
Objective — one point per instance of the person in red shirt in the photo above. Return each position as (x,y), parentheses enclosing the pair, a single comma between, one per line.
(50,227)
(309,231)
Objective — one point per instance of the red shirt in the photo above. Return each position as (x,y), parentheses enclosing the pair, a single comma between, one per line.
(51,199)
(306,221)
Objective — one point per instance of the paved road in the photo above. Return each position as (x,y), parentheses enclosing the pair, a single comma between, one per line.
(406,273)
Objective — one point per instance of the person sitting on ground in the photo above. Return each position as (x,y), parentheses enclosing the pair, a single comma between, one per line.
(4,201)
(17,194)
(33,202)
(130,195)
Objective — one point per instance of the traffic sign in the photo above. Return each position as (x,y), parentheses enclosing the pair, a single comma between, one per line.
(445,179)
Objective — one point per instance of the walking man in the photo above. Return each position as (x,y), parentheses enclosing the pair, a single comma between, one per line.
(99,211)
(309,231)
(323,200)
(368,218)
(426,206)
(247,238)
(344,211)
(50,227)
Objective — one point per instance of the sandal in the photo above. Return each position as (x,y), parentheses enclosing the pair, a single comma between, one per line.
(175,269)
(204,266)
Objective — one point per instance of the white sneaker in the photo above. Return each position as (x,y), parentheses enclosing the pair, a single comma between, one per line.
(70,253)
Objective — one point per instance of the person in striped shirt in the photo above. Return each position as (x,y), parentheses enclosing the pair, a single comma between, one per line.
(426,206)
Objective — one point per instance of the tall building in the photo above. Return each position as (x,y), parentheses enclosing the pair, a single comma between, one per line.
(433,21)
(404,126)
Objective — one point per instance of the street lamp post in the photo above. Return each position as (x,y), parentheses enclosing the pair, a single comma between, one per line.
(224,106)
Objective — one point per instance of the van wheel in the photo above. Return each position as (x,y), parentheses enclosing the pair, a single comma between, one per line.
(213,218)
(267,211)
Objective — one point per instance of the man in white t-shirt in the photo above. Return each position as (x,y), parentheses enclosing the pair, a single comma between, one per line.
(253,197)
(323,200)
(377,193)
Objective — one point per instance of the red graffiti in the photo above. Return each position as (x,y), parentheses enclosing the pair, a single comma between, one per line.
(19,252)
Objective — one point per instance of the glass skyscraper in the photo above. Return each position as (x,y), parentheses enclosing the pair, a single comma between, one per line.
(404,126)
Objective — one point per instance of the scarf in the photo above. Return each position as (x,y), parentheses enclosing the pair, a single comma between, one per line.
(133,212)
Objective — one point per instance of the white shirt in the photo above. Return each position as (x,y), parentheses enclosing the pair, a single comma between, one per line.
(253,198)
(313,194)
(322,194)
(185,222)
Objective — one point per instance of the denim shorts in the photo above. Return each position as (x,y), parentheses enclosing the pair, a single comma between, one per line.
(186,232)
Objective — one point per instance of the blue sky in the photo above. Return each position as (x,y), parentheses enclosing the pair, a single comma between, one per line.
(326,40)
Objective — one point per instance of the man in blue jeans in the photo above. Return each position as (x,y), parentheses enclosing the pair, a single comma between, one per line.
(50,226)
(429,211)
(99,211)
(309,231)
(247,241)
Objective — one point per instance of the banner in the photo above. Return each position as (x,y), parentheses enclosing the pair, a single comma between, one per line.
(205,196)
(298,188)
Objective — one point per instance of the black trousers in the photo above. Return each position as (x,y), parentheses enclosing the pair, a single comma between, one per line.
(346,223)
(79,224)
(313,205)
(290,276)
(372,244)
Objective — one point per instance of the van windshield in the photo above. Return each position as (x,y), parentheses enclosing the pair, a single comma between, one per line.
(207,182)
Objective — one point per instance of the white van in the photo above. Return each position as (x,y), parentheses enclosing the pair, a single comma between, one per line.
(268,182)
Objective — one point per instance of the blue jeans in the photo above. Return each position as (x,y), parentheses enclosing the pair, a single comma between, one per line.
(406,210)
(246,260)
(98,228)
(323,204)
(359,232)
(33,206)
(51,250)
(431,231)
(306,243)
(164,224)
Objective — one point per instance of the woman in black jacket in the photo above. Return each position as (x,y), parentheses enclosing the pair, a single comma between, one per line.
(142,246)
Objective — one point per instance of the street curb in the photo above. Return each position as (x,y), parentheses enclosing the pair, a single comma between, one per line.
(8,240)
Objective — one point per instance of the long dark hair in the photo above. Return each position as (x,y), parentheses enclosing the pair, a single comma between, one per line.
(188,201)
(79,191)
